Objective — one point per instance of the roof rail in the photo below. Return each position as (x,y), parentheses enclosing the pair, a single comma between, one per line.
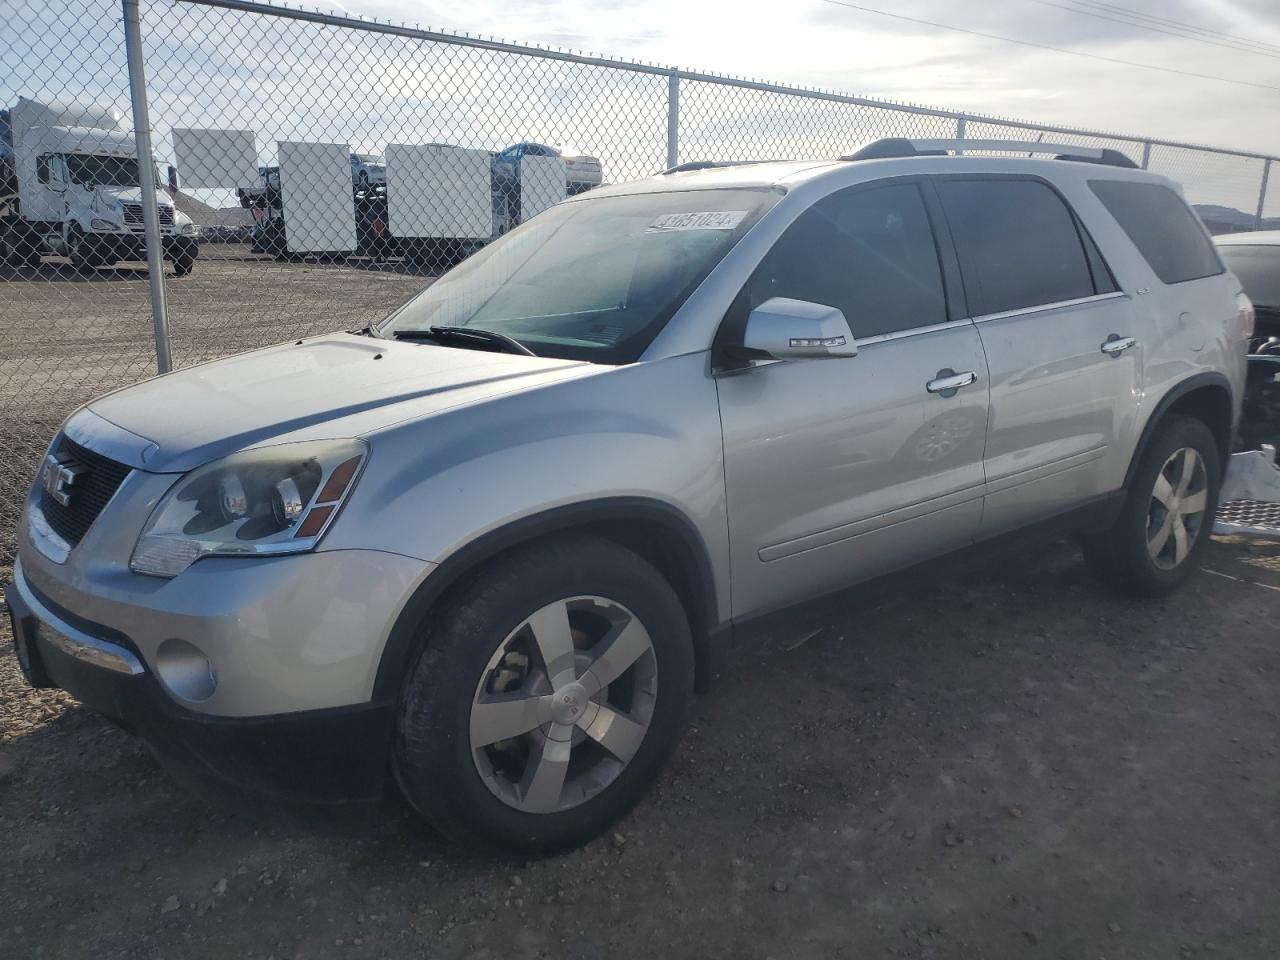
(890,147)
(706,165)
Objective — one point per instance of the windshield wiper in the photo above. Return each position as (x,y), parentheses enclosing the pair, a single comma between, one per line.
(501,340)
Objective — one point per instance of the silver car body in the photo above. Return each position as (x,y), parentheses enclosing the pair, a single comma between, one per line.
(794,479)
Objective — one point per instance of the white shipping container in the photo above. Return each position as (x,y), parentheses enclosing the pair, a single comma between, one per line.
(316,197)
(438,191)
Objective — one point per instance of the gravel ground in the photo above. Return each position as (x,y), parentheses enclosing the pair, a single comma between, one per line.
(1009,762)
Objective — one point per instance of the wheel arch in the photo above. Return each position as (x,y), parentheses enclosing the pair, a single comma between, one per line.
(1205,396)
(650,528)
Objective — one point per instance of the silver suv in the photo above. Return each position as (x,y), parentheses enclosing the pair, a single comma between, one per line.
(493,545)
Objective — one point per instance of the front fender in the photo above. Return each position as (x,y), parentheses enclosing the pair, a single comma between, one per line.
(645,432)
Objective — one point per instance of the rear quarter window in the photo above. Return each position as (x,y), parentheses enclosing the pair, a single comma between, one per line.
(1162,227)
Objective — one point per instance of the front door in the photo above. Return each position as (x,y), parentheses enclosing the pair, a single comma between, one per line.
(840,469)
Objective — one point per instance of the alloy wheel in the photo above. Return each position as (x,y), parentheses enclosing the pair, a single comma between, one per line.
(1178,507)
(564,704)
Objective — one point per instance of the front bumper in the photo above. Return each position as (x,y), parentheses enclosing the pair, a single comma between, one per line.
(133,246)
(329,755)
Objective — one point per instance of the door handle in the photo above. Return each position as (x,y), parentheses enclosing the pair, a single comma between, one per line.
(947,382)
(1116,345)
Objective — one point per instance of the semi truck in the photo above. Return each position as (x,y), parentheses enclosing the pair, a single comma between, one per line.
(69,187)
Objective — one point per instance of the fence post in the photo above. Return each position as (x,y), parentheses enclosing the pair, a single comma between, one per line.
(673,119)
(1146,154)
(1262,194)
(147,183)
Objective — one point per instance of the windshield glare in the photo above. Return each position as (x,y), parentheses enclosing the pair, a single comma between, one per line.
(95,170)
(595,279)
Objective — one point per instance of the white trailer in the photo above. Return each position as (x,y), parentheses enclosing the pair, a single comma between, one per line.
(69,187)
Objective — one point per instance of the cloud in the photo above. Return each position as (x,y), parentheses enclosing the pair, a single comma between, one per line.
(282,79)
(823,44)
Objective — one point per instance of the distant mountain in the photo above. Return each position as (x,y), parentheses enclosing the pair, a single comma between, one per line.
(206,216)
(1220,219)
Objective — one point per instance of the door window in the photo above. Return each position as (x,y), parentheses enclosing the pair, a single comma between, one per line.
(1018,243)
(869,252)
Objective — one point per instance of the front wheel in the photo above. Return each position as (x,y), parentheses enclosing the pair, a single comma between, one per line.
(549,692)
(80,251)
(1156,542)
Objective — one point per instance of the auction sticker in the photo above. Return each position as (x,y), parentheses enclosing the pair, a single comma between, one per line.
(706,220)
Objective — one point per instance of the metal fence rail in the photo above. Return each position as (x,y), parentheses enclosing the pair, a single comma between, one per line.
(311,89)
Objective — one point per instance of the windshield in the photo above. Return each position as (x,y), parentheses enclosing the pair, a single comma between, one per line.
(1258,268)
(595,279)
(95,170)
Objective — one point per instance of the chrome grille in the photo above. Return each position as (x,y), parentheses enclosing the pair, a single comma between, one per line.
(133,215)
(93,488)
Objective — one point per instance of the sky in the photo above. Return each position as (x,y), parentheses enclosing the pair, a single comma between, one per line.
(285,80)
(816,43)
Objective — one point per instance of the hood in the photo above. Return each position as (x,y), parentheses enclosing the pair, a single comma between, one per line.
(340,385)
(133,194)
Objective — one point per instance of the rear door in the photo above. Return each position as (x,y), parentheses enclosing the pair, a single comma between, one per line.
(840,469)
(1061,343)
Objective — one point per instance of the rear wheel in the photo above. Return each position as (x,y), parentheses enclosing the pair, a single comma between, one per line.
(548,695)
(1167,516)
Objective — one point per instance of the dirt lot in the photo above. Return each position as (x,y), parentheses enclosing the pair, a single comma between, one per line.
(1008,763)
(66,338)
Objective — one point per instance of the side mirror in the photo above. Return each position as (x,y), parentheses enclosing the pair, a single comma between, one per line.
(175,182)
(786,329)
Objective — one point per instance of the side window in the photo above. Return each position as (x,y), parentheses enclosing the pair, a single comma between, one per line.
(1018,244)
(42,168)
(1162,227)
(869,252)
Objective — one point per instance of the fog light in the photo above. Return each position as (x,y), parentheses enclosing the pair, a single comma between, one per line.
(185,670)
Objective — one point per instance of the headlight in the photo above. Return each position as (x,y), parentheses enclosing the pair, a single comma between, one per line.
(188,229)
(267,501)
(104,225)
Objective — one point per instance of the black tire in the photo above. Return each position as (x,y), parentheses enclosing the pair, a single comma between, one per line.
(433,760)
(1120,557)
(182,266)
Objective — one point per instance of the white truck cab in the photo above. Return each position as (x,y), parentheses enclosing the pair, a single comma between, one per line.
(72,189)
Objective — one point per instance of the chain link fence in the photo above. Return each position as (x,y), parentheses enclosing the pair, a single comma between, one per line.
(315,171)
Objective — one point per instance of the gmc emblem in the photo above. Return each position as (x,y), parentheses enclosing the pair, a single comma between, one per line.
(57,479)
